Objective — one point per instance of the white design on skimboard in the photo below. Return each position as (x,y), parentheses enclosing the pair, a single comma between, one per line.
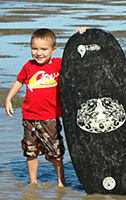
(101,115)
(90,47)
(109,183)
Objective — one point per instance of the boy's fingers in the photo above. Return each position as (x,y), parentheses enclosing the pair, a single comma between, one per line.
(77,29)
(82,29)
(9,111)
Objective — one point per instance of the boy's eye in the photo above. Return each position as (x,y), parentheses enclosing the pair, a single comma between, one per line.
(44,49)
(34,48)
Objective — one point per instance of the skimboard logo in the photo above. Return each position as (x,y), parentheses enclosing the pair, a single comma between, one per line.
(90,47)
(101,115)
(42,80)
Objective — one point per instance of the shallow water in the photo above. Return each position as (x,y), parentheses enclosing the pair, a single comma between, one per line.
(18,19)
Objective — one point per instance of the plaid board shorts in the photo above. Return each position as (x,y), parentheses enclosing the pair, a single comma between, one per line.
(43,137)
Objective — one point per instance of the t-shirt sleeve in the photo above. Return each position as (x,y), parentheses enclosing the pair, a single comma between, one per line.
(57,62)
(22,74)
(59,113)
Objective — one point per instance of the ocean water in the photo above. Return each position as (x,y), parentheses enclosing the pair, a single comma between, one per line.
(18,19)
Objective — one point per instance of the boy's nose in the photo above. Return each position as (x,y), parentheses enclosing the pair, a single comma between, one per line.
(39,52)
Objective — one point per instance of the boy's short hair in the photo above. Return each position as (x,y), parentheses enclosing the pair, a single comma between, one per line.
(44,34)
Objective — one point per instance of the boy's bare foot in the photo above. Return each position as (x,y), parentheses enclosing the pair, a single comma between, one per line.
(61,183)
(33,182)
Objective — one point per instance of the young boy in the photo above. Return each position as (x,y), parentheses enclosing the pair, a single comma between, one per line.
(41,105)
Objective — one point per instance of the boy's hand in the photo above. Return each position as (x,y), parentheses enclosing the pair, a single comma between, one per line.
(82,29)
(13,91)
(8,108)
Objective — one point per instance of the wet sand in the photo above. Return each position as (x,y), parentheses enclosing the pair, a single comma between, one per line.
(18,19)
(17,100)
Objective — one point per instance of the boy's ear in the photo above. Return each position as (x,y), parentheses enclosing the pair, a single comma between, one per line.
(54,49)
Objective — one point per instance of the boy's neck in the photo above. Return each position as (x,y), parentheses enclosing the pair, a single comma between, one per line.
(50,62)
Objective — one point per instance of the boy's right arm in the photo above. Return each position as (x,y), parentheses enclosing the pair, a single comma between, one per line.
(13,91)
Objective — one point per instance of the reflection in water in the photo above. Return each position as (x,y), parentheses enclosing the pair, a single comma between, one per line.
(18,19)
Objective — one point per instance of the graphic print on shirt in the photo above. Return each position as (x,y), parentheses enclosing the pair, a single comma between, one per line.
(42,80)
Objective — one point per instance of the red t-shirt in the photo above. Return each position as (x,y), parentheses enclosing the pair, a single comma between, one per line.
(42,100)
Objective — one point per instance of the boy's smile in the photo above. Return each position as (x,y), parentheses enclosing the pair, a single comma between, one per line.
(42,50)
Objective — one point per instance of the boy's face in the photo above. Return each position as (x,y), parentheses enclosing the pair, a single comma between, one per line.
(42,50)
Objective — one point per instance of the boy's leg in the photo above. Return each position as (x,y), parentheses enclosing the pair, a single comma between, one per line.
(50,131)
(31,147)
(58,165)
(32,165)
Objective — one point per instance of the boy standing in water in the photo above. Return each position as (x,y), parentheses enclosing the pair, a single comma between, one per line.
(41,105)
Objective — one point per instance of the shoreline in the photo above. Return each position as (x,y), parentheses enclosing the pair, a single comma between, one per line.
(16,101)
